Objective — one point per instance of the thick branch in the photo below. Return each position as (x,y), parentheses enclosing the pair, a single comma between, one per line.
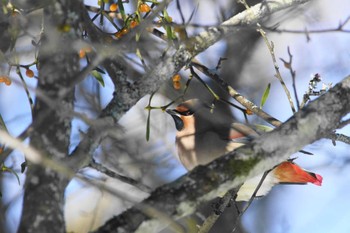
(204,183)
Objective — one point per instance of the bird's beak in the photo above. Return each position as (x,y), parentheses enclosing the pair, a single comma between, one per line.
(179,124)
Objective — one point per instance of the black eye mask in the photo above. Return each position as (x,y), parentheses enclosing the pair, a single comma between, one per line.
(185,113)
(179,124)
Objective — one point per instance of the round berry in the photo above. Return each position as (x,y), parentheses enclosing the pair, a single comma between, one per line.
(118,34)
(113,7)
(29,73)
(82,53)
(121,32)
(249,112)
(176,78)
(177,85)
(6,80)
(124,31)
(133,24)
(144,8)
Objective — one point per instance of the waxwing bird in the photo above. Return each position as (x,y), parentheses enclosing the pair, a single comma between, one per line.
(199,144)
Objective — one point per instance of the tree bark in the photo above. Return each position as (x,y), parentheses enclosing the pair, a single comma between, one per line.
(58,65)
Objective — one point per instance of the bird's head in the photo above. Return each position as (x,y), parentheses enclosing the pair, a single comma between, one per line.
(184,113)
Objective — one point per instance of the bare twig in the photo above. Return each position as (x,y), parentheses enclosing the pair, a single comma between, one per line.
(251,199)
(339,28)
(288,65)
(211,220)
(339,137)
(278,75)
(312,89)
(125,179)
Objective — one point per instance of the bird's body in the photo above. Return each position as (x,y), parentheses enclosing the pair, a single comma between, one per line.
(200,143)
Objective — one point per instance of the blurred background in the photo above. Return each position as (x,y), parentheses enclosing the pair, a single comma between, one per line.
(248,69)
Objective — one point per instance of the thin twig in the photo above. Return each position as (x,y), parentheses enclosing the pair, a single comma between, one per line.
(278,75)
(340,28)
(204,83)
(178,6)
(25,86)
(339,137)
(312,89)
(211,220)
(252,197)
(125,179)
(288,65)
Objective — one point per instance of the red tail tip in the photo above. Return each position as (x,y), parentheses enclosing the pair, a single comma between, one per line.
(318,180)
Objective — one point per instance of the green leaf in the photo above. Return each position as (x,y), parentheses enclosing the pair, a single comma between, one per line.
(169,31)
(98,77)
(265,95)
(99,70)
(121,9)
(263,128)
(13,172)
(7,169)
(148,126)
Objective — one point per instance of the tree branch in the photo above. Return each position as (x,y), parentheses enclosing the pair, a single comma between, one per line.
(169,66)
(181,198)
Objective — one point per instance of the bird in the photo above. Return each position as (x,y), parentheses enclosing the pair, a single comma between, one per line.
(199,142)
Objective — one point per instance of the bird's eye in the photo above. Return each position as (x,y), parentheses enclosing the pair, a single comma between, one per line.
(186,113)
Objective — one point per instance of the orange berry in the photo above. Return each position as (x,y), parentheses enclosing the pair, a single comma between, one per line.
(82,53)
(29,73)
(144,8)
(249,112)
(118,34)
(124,31)
(133,24)
(6,80)
(177,85)
(121,32)
(113,7)
(176,78)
